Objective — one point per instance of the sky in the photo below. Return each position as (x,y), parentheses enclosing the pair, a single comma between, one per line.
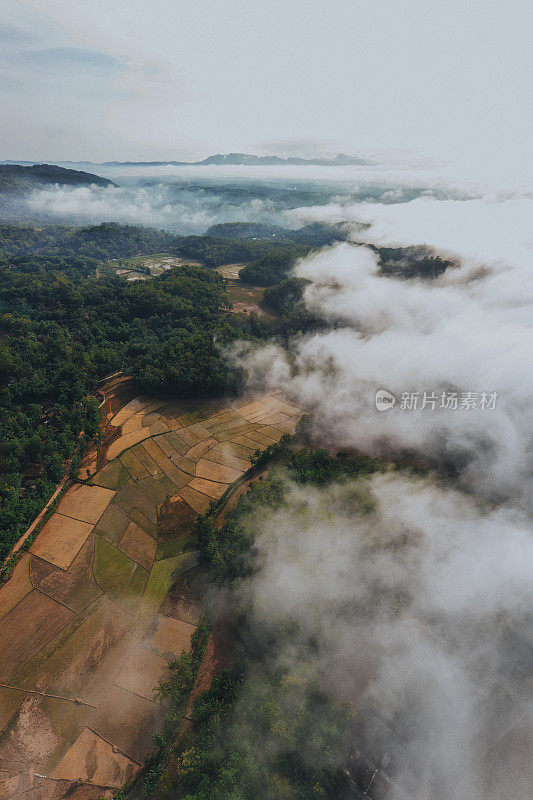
(90,79)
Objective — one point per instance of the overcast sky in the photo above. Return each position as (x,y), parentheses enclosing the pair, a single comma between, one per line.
(156,79)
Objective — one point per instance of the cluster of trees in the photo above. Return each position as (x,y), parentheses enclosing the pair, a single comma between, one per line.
(317,234)
(110,240)
(101,242)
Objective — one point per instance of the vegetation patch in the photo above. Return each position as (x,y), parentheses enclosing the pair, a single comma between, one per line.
(120,578)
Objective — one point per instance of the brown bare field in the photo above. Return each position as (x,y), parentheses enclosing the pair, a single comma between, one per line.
(198,502)
(274,433)
(174,439)
(213,471)
(143,522)
(41,670)
(129,721)
(60,540)
(131,408)
(31,737)
(209,488)
(255,439)
(290,425)
(158,428)
(170,635)
(155,490)
(165,445)
(198,450)
(175,518)
(156,453)
(134,423)
(231,424)
(138,545)
(96,662)
(186,465)
(10,702)
(17,587)
(76,588)
(240,464)
(275,418)
(238,448)
(142,672)
(86,503)
(124,442)
(189,438)
(27,627)
(226,415)
(282,406)
(250,409)
(153,416)
(94,760)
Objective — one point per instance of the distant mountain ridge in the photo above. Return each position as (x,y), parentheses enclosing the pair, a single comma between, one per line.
(222,159)
(20,178)
(247,160)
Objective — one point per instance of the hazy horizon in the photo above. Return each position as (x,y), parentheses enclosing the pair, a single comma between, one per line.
(121,81)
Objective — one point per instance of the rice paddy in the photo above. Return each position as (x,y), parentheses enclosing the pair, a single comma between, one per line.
(87,616)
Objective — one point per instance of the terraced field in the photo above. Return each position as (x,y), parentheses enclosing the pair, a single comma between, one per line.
(86,627)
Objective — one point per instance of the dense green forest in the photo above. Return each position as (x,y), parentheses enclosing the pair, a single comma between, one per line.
(62,329)
(250,736)
(65,323)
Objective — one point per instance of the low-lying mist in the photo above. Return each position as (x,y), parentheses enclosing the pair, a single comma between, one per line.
(188,200)
(422,606)
(417,599)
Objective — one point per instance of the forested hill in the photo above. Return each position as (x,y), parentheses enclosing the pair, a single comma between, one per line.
(18,178)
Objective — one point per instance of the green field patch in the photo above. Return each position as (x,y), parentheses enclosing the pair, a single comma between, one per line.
(135,467)
(120,578)
(161,578)
(191,418)
(165,446)
(155,452)
(112,476)
(175,441)
(112,524)
(154,489)
(131,496)
(170,549)
(145,459)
